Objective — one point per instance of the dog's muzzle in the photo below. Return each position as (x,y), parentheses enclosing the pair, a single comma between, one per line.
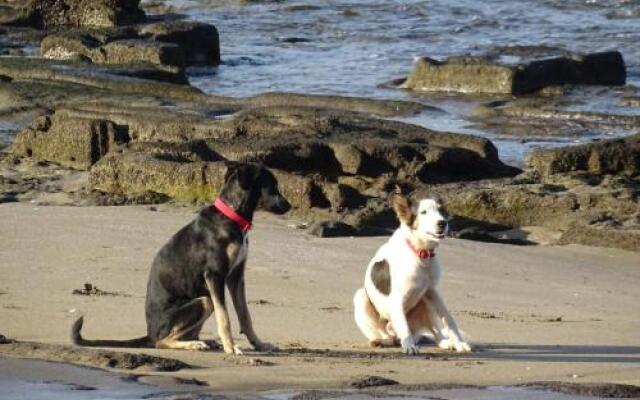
(441,230)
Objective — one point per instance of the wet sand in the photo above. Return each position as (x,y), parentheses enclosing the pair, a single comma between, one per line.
(535,313)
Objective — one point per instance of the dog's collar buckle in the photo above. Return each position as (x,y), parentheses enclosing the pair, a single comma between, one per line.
(230,213)
(421,253)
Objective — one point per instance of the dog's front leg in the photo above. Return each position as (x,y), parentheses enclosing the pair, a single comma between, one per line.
(238,295)
(400,324)
(215,285)
(454,340)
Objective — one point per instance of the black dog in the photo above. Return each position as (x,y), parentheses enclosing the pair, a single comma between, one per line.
(188,275)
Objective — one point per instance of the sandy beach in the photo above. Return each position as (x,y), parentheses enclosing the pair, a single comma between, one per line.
(534,313)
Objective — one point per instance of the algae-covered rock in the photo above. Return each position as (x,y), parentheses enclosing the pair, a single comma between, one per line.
(137,172)
(597,206)
(460,74)
(327,229)
(199,41)
(134,171)
(472,74)
(138,78)
(385,108)
(509,205)
(70,141)
(333,142)
(136,50)
(615,156)
(48,14)
(602,236)
(125,49)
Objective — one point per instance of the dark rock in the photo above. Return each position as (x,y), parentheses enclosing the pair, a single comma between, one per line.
(480,235)
(112,50)
(5,340)
(98,198)
(134,172)
(136,51)
(138,78)
(371,381)
(71,44)
(301,191)
(600,213)
(70,141)
(602,236)
(294,40)
(48,14)
(155,124)
(539,116)
(327,229)
(310,140)
(94,357)
(510,205)
(615,156)
(342,196)
(602,390)
(385,108)
(199,41)
(480,75)
(91,290)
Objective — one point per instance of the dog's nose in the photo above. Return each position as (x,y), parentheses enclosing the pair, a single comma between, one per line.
(286,206)
(442,224)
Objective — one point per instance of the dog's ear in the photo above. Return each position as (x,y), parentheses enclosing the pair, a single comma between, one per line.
(244,174)
(403,208)
(231,168)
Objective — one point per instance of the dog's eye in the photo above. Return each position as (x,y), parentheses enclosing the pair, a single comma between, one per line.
(423,212)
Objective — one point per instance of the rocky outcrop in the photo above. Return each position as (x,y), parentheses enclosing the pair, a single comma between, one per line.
(173,44)
(136,172)
(610,234)
(601,210)
(309,149)
(480,75)
(184,175)
(73,142)
(199,41)
(146,136)
(114,32)
(48,14)
(125,49)
(147,78)
(325,159)
(615,156)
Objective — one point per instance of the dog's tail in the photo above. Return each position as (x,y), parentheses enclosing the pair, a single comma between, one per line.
(76,338)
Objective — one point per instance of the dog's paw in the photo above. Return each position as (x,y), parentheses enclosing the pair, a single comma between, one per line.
(446,344)
(265,346)
(198,345)
(456,345)
(233,349)
(213,344)
(462,347)
(409,345)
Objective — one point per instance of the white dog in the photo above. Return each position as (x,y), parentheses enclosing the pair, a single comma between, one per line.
(400,300)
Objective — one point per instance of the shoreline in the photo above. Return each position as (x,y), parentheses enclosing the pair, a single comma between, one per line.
(571,315)
(52,380)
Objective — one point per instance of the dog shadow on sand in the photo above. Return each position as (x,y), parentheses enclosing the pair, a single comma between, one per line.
(556,353)
(485,352)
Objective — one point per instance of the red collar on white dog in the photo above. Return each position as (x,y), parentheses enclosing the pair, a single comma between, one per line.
(421,253)
(230,213)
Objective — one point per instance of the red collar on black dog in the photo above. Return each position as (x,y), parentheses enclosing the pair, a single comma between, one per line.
(421,253)
(230,213)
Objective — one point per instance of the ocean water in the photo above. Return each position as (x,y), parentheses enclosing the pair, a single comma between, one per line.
(42,380)
(350,47)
